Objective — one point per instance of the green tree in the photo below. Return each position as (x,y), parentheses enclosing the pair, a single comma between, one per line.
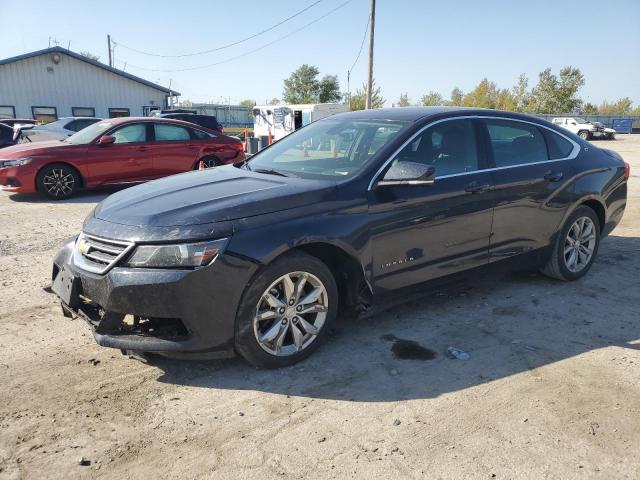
(302,86)
(557,95)
(274,101)
(621,106)
(520,93)
(484,95)
(248,103)
(589,109)
(404,100)
(90,56)
(543,95)
(431,99)
(329,89)
(358,100)
(456,98)
(571,80)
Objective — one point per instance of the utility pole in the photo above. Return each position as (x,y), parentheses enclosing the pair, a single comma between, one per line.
(371,30)
(109,46)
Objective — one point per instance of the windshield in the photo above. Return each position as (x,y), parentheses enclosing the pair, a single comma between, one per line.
(87,135)
(328,148)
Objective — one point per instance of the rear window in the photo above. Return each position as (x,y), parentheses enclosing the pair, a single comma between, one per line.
(516,143)
(559,147)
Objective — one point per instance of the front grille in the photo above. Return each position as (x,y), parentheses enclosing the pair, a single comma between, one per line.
(98,255)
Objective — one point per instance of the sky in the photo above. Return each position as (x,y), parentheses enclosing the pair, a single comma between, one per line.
(420,45)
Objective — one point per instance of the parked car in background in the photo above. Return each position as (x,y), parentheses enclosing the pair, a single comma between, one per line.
(18,121)
(118,151)
(6,135)
(581,127)
(258,258)
(59,130)
(607,133)
(206,121)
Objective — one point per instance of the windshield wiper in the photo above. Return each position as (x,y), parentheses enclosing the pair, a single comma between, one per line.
(269,171)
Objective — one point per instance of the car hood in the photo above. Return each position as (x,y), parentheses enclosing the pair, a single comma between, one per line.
(207,196)
(34,148)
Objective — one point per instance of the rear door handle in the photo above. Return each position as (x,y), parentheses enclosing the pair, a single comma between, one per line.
(552,176)
(476,187)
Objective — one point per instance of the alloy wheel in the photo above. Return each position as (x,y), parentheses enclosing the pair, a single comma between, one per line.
(579,244)
(58,182)
(290,313)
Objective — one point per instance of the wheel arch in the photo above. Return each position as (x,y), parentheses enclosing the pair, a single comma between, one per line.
(67,164)
(593,202)
(348,272)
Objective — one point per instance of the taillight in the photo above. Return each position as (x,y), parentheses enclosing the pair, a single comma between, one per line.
(627,170)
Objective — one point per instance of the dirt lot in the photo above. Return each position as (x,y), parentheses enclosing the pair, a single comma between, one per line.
(552,389)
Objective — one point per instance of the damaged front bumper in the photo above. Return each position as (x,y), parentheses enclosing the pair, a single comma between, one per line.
(173,312)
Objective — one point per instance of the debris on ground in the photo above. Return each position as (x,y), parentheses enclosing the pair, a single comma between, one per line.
(457,354)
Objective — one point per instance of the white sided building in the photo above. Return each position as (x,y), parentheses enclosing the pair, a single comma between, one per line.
(56,82)
(281,120)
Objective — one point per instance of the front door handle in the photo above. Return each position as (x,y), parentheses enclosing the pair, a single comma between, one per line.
(477,187)
(552,176)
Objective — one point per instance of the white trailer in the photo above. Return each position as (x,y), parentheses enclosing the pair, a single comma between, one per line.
(281,120)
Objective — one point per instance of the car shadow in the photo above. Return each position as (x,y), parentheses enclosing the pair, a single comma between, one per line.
(85,196)
(508,324)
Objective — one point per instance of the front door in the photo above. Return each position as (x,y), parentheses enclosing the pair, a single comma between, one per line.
(532,177)
(126,160)
(424,232)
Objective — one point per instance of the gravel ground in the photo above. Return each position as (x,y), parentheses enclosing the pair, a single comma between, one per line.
(551,389)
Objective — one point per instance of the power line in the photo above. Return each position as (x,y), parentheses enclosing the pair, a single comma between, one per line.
(238,42)
(364,37)
(246,53)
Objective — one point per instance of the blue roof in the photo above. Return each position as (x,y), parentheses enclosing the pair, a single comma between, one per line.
(95,63)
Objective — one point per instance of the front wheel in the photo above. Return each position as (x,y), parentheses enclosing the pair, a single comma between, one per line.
(58,181)
(584,135)
(286,312)
(576,246)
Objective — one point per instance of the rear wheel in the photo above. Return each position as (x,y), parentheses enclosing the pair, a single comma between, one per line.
(576,246)
(286,312)
(58,181)
(584,134)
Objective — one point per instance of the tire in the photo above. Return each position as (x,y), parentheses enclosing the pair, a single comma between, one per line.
(584,134)
(209,162)
(559,264)
(58,181)
(289,335)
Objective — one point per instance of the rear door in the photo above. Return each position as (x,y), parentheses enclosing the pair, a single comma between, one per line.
(173,150)
(128,159)
(531,173)
(424,232)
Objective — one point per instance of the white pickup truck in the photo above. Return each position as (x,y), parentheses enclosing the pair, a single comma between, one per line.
(584,128)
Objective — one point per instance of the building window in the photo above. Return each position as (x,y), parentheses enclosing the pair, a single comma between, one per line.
(44,114)
(83,111)
(118,112)
(7,111)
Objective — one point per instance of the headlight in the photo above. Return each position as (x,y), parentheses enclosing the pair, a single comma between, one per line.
(175,256)
(15,162)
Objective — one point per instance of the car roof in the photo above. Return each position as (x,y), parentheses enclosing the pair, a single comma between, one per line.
(172,121)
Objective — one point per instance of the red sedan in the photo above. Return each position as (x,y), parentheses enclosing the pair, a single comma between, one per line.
(112,152)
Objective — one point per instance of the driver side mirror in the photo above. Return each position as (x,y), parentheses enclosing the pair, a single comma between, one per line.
(106,140)
(408,173)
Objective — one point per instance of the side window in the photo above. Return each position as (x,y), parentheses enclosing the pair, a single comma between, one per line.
(131,133)
(449,146)
(73,126)
(516,143)
(200,135)
(174,133)
(559,147)
(78,125)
